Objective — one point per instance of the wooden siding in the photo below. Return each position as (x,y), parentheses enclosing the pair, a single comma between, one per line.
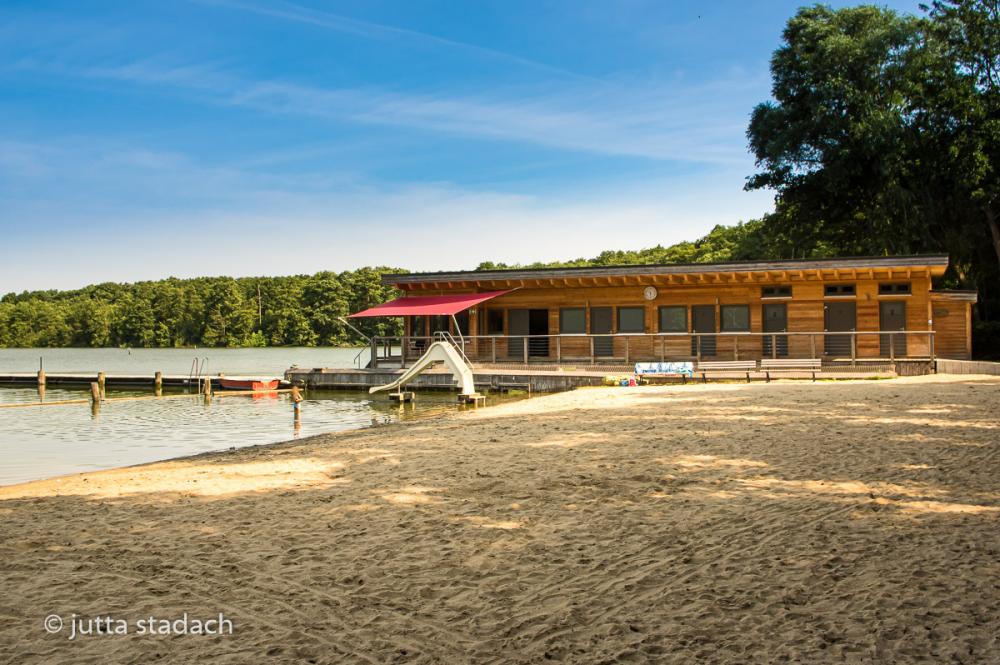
(805,310)
(953,325)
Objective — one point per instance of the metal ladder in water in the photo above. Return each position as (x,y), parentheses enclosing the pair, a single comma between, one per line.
(197,371)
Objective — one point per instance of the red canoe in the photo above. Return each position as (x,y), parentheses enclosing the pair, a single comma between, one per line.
(243,383)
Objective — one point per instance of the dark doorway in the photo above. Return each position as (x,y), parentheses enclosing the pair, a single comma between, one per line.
(517,324)
(538,324)
(462,319)
(600,324)
(892,316)
(839,317)
(775,317)
(418,329)
(703,321)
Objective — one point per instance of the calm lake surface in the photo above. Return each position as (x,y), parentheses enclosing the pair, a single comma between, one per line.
(46,441)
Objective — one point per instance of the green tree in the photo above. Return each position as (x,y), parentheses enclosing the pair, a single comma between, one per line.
(882,137)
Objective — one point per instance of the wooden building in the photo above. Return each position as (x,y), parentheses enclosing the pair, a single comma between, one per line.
(837,309)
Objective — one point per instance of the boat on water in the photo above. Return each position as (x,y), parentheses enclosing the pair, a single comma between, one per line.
(257,384)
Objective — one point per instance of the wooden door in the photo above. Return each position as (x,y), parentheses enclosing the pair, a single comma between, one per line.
(601,321)
(839,317)
(775,317)
(517,324)
(703,321)
(538,324)
(892,316)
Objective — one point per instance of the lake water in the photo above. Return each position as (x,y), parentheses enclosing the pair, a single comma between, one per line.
(46,441)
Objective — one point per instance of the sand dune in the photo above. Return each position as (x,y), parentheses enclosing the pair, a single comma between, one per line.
(788,522)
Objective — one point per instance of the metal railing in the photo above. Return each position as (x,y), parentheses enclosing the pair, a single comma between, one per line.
(627,348)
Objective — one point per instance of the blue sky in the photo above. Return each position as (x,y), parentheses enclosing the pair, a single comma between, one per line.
(140,139)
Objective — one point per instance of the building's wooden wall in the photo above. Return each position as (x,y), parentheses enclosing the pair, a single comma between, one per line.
(805,314)
(953,328)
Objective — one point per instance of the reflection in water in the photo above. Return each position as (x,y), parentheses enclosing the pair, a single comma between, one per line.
(46,441)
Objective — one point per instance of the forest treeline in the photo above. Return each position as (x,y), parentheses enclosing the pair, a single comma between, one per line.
(301,310)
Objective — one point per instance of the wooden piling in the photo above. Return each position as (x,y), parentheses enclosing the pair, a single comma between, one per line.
(41,378)
(95,392)
(102,379)
(158,383)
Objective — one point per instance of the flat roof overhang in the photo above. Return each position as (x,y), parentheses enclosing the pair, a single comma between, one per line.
(957,295)
(888,267)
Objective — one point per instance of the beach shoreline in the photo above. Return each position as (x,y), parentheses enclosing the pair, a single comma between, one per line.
(822,522)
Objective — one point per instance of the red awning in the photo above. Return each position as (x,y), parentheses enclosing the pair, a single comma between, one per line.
(428,305)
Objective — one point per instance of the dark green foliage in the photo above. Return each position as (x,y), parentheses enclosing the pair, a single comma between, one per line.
(208,311)
(744,241)
(883,137)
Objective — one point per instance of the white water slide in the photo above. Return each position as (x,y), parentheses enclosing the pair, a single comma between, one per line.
(438,352)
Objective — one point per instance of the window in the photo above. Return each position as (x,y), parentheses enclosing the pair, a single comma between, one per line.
(572,321)
(673,319)
(439,322)
(494,322)
(631,319)
(894,288)
(839,290)
(418,326)
(734,318)
(776,292)
(462,319)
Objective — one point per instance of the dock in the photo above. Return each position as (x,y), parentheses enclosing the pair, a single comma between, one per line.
(529,380)
(111,380)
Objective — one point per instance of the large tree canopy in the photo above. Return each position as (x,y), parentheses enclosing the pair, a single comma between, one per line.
(882,135)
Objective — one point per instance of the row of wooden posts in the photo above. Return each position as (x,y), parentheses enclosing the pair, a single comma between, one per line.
(98,393)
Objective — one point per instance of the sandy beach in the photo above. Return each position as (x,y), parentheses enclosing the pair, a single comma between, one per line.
(791,522)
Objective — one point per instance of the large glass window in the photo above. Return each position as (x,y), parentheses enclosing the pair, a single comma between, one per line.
(417,326)
(673,319)
(439,322)
(494,322)
(462,319)
(572,321)
(631,319)
(734,318)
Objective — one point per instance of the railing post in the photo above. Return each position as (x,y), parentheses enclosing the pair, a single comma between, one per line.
(558,350)
(854,348)
(494,349)
(374,360)
(697,339)
(524,341)
(593,359)
(736,347)
(812,346)
(626,349)
(930,336)
(663,343)
(892,346)
(774,346)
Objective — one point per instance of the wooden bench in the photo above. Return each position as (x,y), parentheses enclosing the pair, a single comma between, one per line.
(744,366)
(810,365)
